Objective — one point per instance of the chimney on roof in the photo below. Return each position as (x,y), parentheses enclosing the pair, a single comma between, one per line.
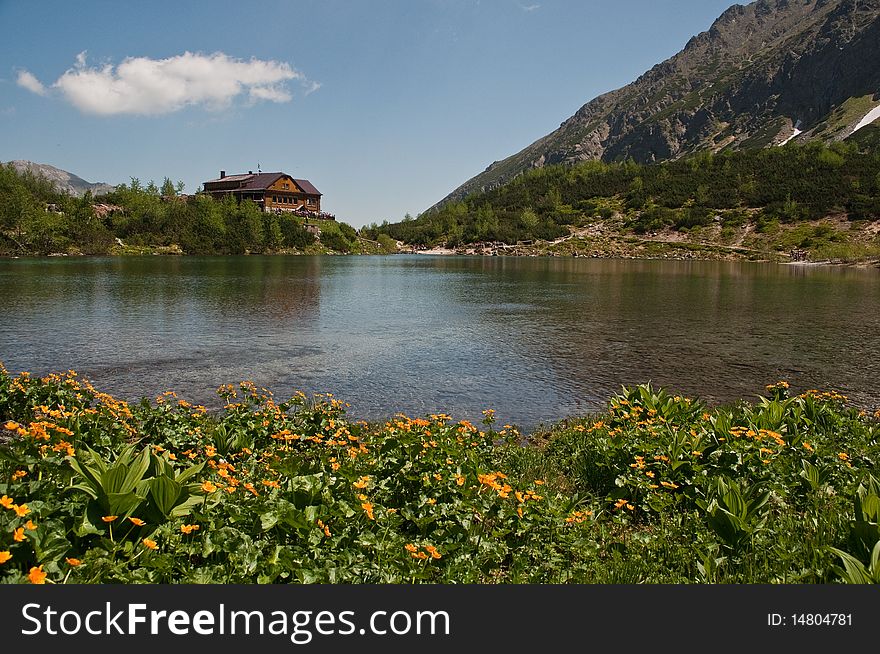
(250,172)
(222,174)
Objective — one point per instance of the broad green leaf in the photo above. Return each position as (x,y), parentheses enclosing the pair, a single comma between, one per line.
(165,492)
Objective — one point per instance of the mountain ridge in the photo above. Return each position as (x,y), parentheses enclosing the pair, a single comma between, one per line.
(62,180)
(761,73)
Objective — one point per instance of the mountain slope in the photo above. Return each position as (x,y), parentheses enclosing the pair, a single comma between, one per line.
(762,73)
(63,181)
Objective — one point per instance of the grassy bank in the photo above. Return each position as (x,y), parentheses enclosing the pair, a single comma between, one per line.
(657,489)
(829,240)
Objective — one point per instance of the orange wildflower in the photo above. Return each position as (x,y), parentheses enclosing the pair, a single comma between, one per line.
(6,502)
(18,535)
(37,576)
(368,509)
(209,486)
(109,518)
(30,526)
(137,522)
(21,511)
(5,555)
(73,562)
(188,529)
(150,543)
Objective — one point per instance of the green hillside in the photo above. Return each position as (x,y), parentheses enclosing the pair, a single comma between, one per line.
(762,189)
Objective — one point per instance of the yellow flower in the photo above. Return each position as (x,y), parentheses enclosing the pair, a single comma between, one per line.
(6,502)
(18,474)
(137,522)
(18,535)
(11,426)
(109,518)
(5,556)
(209,487)
(37,576)
(431,500)
(363,482)
(808,447)
(188,529)
(21,511)
(843,456)
(149,542)
(73,562)
(368,509)
(30,526)
(411,548)
(459,479)
(432,551)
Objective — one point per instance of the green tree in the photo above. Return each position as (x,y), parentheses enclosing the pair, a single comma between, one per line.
(168,188)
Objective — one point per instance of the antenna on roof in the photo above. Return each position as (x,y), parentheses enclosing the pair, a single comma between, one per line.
(258,167)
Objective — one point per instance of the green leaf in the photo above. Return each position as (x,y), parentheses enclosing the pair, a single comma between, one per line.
(136,471)
(165,493)
(51,547)
(855,569)
(189,472)
(268,520)
(123,504)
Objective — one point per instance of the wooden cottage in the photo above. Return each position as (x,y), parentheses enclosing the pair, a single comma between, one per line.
(271,191)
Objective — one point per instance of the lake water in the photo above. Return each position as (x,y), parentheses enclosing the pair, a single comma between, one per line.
(537,339)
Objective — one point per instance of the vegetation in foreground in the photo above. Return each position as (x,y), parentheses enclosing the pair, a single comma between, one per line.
(657,489)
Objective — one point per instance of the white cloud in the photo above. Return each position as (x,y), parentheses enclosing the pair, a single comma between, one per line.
(529,7)
(26,80)
(271,93)
(144,86)
(311,86)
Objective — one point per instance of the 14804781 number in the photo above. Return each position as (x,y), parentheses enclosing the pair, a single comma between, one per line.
(821,619)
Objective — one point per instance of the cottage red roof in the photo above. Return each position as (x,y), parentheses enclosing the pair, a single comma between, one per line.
(262,181)
(307,186)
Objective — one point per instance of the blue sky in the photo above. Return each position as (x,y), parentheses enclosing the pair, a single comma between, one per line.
(385,105)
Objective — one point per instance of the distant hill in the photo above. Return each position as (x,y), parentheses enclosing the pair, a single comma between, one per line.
(763,74)
(63,181)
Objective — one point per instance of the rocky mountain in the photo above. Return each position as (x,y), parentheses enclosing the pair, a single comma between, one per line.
(763,74)
(64,181)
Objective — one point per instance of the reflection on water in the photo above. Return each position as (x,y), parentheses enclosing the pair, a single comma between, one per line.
(536,339)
